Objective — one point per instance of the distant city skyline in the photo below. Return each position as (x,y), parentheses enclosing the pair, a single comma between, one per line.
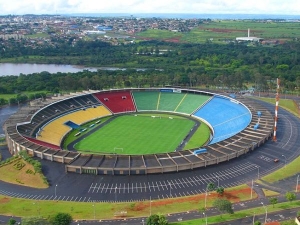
(278,7)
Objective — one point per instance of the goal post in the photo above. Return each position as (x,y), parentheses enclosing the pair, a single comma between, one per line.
(118,150)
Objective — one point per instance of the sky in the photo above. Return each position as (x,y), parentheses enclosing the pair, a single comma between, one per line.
(278,7)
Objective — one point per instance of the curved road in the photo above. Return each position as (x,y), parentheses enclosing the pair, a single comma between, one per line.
(85,187)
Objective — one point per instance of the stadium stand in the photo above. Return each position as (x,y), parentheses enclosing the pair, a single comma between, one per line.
(54,131)
(42,143)
(191,102)
(117,101)
(145,100)
(226,117)
(56,109)
(168,101)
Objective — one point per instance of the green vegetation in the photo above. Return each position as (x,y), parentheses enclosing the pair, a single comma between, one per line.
(223,30)
(223,205)
(70,137)
(84,210)
(17,171)
(61,219)
(199,138)
(157,219)
(287,104)
(269,193)
(293,167)
(282,173)
(2,142)
(138,134)
(241,214)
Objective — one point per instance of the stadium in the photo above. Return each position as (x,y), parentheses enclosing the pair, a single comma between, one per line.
(184,129)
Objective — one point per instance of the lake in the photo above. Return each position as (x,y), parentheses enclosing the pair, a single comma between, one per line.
(7,69)
(16,69)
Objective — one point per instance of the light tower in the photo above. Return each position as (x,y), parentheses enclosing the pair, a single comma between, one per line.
(276,110)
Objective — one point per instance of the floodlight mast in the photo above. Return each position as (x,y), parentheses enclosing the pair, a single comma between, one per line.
(276,110)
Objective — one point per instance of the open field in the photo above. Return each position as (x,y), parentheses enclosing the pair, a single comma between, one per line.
(218,31)
(141,134)
(286,104)
(84,210)
(21,173)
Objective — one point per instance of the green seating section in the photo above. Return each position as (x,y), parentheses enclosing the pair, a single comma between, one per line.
(169,101)
(166,101)
(146,100)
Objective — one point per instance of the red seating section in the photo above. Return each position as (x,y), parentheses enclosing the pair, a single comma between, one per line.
(42,143)
(117,102)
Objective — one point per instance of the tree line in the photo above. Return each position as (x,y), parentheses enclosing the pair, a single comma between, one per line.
(232,66)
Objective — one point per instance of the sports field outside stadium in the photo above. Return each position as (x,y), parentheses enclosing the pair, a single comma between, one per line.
(138,134)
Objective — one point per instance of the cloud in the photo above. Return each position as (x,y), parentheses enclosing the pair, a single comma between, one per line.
(150,6)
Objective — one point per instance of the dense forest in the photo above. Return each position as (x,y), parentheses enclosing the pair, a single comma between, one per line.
(231,66)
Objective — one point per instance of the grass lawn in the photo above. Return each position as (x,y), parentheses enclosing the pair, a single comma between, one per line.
(287,104)
(199,138)
(71,135)
(269,193)
(141,134)
(285,172)
(21,173)
(84,210)
(242,214)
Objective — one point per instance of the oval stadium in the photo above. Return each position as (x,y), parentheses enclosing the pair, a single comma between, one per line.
(139,130)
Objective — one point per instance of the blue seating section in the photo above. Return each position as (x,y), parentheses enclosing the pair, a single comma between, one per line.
(226,117)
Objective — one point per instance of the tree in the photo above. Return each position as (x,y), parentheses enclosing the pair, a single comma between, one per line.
(220,190)
(12,221)
(290,196)
(210,187)
(223,205)
(257,223)
(273,201)
(61,219)
(157,219)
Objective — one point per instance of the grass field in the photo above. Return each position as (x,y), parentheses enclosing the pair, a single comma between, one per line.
(141,134)
(218,31)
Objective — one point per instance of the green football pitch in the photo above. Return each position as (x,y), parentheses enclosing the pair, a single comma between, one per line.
(137,134)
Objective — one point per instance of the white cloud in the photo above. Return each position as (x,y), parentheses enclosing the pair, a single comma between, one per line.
(150,6)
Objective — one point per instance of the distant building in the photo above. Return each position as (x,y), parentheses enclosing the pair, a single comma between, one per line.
(89,32)
(248,38)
